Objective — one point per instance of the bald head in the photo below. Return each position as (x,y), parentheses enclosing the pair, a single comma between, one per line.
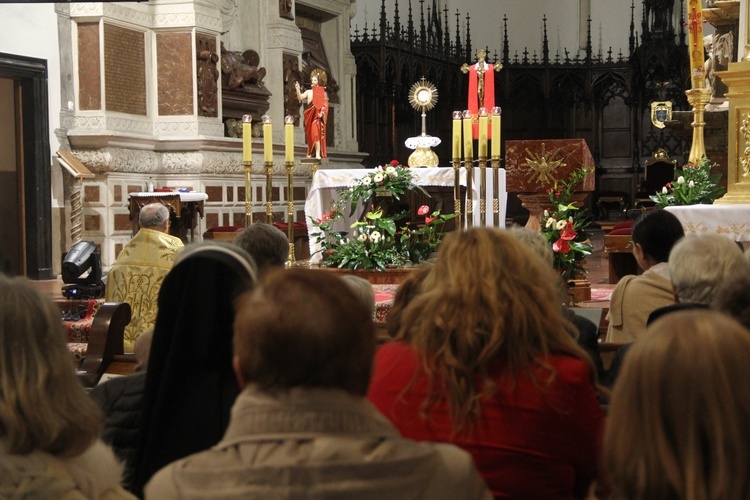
(154,216)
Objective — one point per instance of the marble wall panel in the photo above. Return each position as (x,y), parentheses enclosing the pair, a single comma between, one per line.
(124,70)
(89,67)
(174,74)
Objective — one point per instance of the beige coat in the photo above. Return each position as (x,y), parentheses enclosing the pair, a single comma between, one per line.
(632,301)
(317,443)
(95,474)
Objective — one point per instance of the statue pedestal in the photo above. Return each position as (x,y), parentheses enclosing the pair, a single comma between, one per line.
(537,203)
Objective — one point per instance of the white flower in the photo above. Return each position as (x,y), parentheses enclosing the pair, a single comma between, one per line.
(362,237)
(691,184)
(680,180)
(378,177)
(561,224)
(366,181)
(550,222)
(390,170)
(664,190)
(570,219)
(375,236)
(546,213)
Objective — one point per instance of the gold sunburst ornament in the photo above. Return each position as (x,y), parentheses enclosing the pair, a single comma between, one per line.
(423,95)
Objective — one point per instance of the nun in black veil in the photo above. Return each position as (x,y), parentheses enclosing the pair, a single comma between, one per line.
(190,385)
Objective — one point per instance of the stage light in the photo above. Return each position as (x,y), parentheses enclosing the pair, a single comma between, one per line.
(81,259)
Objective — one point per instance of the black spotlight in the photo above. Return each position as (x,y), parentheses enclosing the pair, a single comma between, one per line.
(82,258)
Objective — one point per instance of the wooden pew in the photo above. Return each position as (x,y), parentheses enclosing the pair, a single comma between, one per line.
(105,339)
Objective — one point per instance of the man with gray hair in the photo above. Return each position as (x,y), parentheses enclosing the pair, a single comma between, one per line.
(139,270)
(698,266)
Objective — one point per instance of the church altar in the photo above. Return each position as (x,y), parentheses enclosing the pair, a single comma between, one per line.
(325,183)
(732,221)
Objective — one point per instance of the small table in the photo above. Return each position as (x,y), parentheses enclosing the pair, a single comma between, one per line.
(183,208)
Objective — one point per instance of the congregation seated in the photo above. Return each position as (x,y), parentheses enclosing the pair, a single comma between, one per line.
(677,425)
(49,427)
(634,297)
(733,298)
(190,387)
(139,270)
(485,360)
(301,427)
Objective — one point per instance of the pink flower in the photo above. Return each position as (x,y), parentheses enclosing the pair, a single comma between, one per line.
(428,220)
(423,210)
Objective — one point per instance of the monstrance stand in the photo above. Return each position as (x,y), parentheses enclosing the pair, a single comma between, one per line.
(423,96)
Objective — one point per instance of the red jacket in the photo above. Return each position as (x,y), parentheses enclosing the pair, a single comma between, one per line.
(531,442)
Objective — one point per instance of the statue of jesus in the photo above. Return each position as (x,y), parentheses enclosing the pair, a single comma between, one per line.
(316,113)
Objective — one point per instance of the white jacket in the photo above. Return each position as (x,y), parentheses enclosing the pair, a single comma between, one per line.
(317,443)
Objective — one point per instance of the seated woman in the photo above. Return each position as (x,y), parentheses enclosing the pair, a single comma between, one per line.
(678,420)
(487,361)
(49,427)
(634,297)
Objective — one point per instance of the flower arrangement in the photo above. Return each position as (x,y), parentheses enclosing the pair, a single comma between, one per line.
(378,241)
(693,184)
(392,180)
(564,224)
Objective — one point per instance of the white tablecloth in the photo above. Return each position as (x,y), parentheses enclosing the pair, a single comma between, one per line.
(184,196)
(732,221)
(325,183)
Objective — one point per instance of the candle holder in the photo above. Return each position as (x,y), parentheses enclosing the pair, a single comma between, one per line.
(247,163)
(268,166)
(289,166)
(698,98)
(495,187)
(457,191)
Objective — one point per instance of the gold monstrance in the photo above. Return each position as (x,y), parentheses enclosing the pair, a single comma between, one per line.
(423,96)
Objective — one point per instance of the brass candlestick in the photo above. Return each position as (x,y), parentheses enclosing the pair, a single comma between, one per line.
(698,98)
(469,164)
(269,191)
(248,193)
(495,187)
(483,191)
(289,166)
(457,191)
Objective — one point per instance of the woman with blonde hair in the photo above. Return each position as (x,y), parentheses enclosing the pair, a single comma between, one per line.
(487,361)
(49,426)
(678,420)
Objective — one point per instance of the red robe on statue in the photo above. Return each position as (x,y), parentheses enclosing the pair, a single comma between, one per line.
(315,125)
(489,95)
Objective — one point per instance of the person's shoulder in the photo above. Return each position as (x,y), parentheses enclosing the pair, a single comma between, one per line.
(570,368)
(455,474)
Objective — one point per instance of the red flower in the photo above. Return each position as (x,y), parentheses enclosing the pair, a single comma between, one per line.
(423,210)
(561,246)
(394,163)
(427,220)
(568,233)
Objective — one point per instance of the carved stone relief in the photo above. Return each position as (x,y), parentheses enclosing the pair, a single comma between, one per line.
(208,76)
(292,74)
(285,9)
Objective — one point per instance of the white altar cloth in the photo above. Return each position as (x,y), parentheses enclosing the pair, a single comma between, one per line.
(732,221)
(323,192)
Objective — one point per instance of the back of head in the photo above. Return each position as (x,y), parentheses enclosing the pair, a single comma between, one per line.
(267,245)
(678,419)
(733,298)
(304,328)
(534,241)
(190,384)
(489,298)
(362,289)
(698,265)
(407,290)
(657,231)
(43,407)
(153,216)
